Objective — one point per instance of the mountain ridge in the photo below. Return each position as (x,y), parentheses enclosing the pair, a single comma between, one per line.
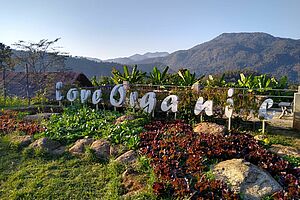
(257,51)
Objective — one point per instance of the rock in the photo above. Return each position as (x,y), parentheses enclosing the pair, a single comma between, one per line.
(117,150)
(127,158)
(246,178)
(133,182)
(78,147)
(123,118)
(211,128)
(59,151)
(260,137)
(23,141)
(101,148)
(48,146)
(39,116)
(285,150)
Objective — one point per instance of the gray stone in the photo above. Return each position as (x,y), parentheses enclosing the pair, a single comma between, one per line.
(78,147)
(285,150)
(211,128)
(123,118)
(23,141)
(243,177)
(38,117)
(127,158)
(101,148)
(117,150)
(47,145)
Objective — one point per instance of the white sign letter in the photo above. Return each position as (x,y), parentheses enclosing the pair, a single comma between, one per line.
(206,106)
(262,112)
(118,89)
(84,95)
(58,87)
(229,102)
(148,102)
(96,98)
(170,103)
(72,94)
(133,98)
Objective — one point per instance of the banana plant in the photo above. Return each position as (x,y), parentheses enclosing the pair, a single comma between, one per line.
(262,82)
(246,82)
(282,83)
(187,78)
(219,82)
(157,77)
(135,76)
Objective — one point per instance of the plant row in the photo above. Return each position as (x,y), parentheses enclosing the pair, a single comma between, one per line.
(9,122)
(184,77)
(76,123)
(182,159)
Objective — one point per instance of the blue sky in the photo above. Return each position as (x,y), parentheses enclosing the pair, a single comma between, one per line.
(110,28)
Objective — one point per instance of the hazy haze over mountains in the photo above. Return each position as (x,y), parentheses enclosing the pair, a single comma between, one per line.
(137,57)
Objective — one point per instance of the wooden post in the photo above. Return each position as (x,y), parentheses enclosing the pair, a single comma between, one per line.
(263,126)
(296,110)
(4,83)
(27,84)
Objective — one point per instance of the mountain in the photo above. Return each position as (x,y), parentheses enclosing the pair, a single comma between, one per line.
(259,52)
(137,57)
(92,59)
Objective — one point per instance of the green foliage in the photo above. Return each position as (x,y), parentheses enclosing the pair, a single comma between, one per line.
(136,76)
(12,102)
(126,133)
(216,82)
(293,160)
(75,123)
(246,81)
(101,81)
(261,82)
(157,77)
(187,78)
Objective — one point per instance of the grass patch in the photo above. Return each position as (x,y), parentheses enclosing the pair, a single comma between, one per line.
(66,177)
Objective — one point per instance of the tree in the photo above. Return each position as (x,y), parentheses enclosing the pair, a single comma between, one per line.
(5,63)
(42,56)
(39,57)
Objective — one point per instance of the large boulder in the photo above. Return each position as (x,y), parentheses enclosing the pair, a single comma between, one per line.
(127,158)
(101,149)
(78,147)
(243,177)
(49,146)
(123,118)
(285,150)
(211,128)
